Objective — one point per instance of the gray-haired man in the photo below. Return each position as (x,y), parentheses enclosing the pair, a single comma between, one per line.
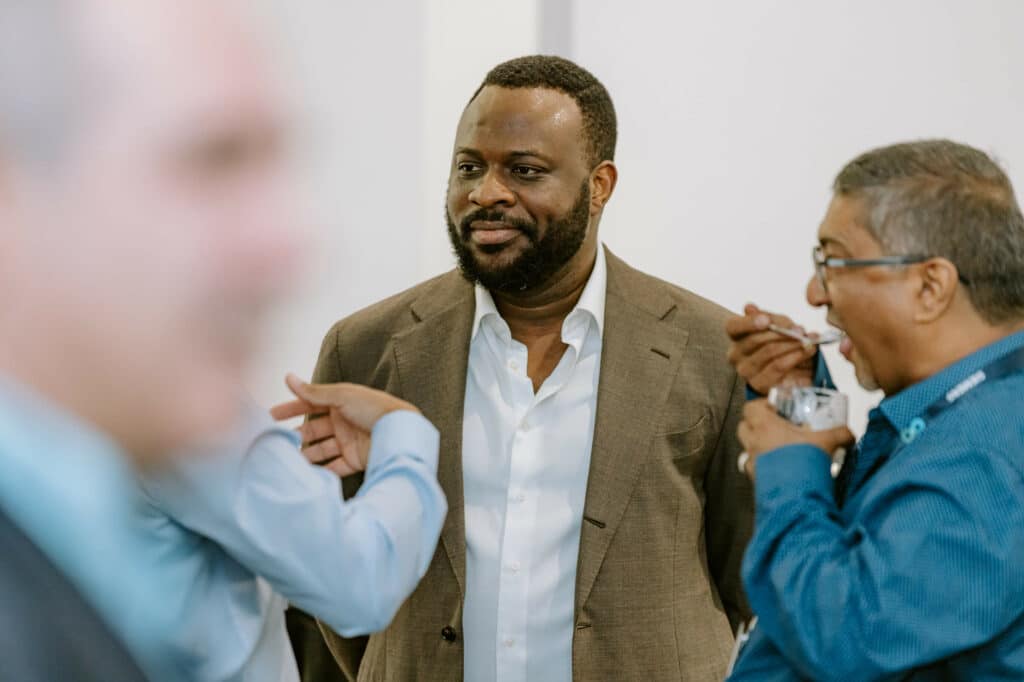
(908,565)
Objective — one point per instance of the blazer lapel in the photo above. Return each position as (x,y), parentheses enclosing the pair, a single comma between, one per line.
(640,356)
(431,357)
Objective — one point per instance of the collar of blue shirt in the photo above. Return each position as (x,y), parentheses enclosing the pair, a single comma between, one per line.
(911,403)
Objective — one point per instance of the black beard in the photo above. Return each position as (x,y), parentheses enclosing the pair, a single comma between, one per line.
(537,263)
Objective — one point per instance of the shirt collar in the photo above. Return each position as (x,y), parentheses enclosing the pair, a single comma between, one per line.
(592,302)
(904,407)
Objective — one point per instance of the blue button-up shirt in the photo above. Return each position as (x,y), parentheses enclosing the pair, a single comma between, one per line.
(920,571)
(251,526)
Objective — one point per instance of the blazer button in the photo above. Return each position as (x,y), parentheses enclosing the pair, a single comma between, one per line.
(448,633)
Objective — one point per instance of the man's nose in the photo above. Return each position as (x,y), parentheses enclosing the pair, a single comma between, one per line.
(816,293)
(492,192)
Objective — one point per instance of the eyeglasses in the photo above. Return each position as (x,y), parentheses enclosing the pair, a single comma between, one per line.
(821,261)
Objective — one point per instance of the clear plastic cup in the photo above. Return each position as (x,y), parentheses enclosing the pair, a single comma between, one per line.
(817,408)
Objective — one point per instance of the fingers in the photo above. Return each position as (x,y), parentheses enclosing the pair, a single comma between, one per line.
(751,343)
(754,410)
(361,405)
(762,359)
(304,391)
(755,413)
(323,451)
(341,467)
(294,408)
(334,455)
(754,320)
(832,439)
(315,429)
(765,358)
(338,463)
(743,434)
(788,368)
(739,326)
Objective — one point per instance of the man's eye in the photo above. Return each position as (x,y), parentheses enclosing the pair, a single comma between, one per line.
(466,167)
(526,171)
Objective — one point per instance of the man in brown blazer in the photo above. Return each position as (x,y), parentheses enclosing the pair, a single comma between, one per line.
(587,415)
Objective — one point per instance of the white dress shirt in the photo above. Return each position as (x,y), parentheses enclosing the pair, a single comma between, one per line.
(525,462)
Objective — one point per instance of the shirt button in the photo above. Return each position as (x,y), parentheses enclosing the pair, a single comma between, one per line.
(518,498)
(513,365)
(509,642)
(448,633)
(514,567)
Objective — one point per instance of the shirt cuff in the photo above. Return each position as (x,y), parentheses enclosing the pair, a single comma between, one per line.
(403,432)
(791,472)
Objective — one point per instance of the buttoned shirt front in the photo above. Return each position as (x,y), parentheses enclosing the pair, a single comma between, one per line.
(525,459)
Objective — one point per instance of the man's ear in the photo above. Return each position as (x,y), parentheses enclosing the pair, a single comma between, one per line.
(939,282)
(602,184)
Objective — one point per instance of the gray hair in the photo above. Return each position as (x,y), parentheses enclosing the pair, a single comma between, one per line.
(938,198)
(37,78)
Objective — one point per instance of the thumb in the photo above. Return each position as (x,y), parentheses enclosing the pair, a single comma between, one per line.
(751,309)
(311,393)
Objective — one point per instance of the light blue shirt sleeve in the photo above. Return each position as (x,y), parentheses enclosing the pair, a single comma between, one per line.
(351,563)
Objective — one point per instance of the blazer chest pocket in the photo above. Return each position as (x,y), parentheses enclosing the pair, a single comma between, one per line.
(686,447)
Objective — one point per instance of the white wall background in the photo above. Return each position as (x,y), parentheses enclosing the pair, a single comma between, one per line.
(733,118)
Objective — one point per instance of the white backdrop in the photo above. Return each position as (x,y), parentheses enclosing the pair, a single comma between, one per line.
(733,119)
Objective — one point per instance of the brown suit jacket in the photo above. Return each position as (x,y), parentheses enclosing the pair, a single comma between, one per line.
(667,515)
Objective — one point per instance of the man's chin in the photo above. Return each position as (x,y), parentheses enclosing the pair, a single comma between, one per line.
(865,377)
(492,265)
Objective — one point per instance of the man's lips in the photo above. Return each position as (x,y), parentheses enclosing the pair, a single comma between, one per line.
(492,232)
(846,346)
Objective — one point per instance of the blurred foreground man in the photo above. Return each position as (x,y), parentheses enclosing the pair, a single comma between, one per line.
(144,228)
(147,222)
(910,565)
(587,419)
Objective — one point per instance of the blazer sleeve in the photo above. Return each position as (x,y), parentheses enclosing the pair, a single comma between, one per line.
(729,512)
(317,661)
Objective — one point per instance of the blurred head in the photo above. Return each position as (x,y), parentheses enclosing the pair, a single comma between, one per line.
(144,210)
(531,173)
(954,209)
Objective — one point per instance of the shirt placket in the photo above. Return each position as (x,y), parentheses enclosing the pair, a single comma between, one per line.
(520,515)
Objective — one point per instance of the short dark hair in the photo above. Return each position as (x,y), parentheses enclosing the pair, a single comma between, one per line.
(943,199)
(600,127)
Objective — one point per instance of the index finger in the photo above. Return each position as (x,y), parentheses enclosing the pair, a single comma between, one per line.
(739,326)
(293,408)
